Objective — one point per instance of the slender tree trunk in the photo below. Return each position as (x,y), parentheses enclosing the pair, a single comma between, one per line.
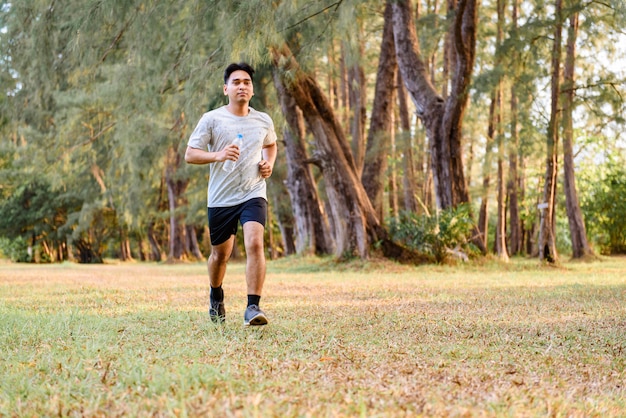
(500,238)
(381,123)
(393,178)
(175,193)
(483,214)
(344,91)
(155,248)
(578,233)
(191,242)
(287,233)
(515,226)
(547,231)
(516,238)
(273,253)
(410,184)
(358,100)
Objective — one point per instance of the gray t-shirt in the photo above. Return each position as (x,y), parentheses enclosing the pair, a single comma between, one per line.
(218,129)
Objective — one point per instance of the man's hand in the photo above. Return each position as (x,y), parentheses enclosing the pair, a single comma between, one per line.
(265,169)
(231,152)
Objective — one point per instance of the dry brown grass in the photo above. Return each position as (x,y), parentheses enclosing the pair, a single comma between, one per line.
(367,339)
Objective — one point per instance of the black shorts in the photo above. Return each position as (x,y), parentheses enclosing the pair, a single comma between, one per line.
(223,222)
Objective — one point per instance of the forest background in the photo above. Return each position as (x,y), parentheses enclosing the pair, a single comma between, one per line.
(418,130)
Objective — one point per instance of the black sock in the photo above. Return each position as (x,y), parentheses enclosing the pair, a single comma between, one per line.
(217,294)
(254,300)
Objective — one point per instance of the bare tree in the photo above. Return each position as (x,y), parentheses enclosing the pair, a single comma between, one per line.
(580,245)
(547,229)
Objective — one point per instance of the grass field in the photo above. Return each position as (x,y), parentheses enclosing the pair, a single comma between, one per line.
(372,339)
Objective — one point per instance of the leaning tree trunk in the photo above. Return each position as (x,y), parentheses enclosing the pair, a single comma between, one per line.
(381,126)
(312,229)
(547,231)
(357,226)
(580,245)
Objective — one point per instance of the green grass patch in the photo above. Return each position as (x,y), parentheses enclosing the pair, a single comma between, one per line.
(365,339)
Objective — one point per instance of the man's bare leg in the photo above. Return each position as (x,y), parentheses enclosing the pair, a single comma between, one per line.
(255,271)
(255,253)
(220,254)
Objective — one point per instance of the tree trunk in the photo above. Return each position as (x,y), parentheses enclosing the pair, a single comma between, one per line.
(515,226)
(500,239)
(155,248)
(392,178)
(442,119)
(516,239)
(547,230)
(580,245)
(483,214)
(410,184)
(273,252)
(312,229)
(357,226)
(381,126)
(358,101)
(175,193)
(192,246)
(344,95)
(287,233)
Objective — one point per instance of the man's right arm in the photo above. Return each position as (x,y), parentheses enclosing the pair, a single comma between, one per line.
(199,156)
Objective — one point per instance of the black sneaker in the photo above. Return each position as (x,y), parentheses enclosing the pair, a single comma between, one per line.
(217,312)
(254,316)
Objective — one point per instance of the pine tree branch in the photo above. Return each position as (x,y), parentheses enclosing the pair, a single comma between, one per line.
(89,140)
(119,36)
(335,5)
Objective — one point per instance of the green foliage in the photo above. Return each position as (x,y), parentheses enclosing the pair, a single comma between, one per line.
(435,235)
(35,210)
(15,250)
(604,208)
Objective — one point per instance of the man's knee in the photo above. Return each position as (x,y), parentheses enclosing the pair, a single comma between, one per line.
(221,254)
(254,246)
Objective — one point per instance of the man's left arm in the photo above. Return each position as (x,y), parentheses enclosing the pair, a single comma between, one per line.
(266,165)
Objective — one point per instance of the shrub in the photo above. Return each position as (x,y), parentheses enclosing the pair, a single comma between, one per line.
(437,234)
(15,250)
(604,210)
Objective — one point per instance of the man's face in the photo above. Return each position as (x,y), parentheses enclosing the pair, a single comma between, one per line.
(239,87)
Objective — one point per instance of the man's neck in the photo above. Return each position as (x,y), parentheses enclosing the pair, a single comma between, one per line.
(237,109)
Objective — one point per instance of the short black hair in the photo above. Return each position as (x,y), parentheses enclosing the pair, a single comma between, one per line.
(236,67)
